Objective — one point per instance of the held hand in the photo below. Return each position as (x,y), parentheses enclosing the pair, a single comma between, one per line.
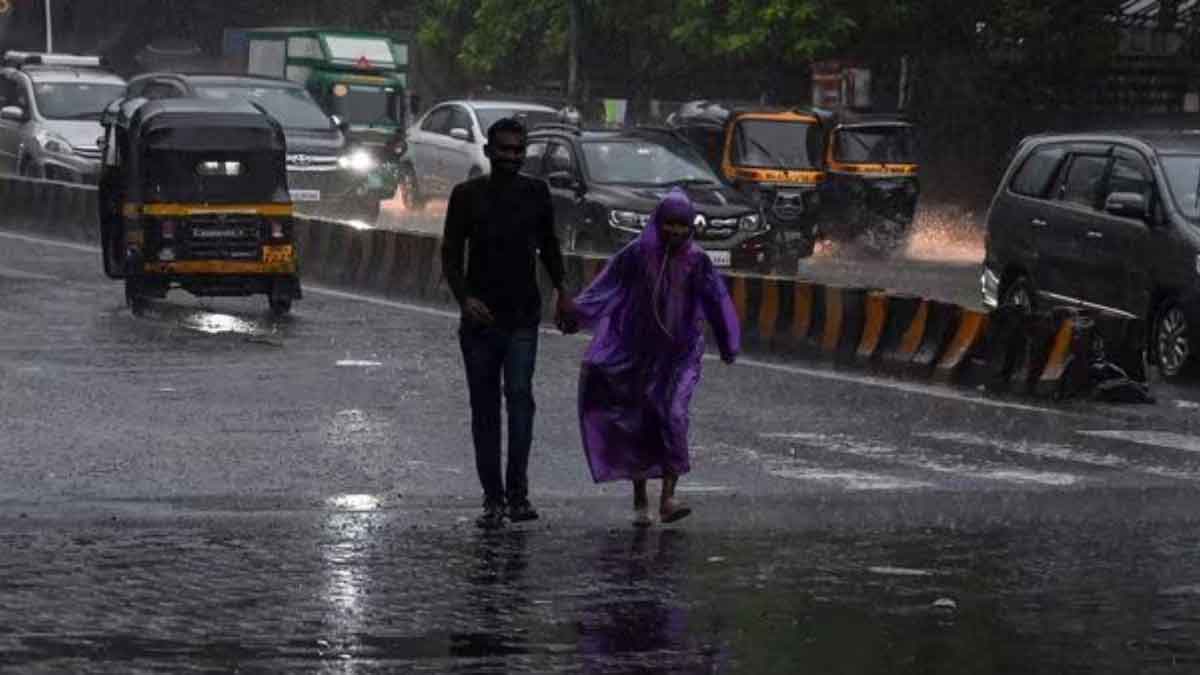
(474,310)
(566,315)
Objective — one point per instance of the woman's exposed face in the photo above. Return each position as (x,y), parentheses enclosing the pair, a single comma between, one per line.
(675,233)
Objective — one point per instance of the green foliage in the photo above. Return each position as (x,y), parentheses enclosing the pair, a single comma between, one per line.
(794,31)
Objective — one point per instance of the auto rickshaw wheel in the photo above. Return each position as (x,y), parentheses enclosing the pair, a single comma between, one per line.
(280,305)
(882,238)
(135,299)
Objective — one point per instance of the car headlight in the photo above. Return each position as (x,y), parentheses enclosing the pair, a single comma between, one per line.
(359,160)
(53,143)
(750,223)
(630,220)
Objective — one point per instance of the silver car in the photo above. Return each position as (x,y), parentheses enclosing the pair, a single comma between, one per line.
(50,106)
(446,144)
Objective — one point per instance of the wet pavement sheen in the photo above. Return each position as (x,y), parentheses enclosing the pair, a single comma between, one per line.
(204,488)
(866,587)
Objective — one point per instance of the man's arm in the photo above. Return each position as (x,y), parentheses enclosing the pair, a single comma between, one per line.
(454,238)
(550,250)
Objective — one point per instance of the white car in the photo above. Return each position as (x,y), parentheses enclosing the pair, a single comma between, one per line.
(446,144)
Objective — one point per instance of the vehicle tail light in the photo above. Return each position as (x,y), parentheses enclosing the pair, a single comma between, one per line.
(276,229)
(168,229)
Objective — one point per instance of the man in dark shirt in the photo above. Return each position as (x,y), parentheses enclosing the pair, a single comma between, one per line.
(506,222)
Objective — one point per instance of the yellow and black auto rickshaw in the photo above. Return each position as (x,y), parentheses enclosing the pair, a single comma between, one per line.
(193,194)
(772,155)
(872,186)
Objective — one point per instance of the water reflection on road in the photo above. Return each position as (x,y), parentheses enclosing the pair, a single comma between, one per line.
(370,587)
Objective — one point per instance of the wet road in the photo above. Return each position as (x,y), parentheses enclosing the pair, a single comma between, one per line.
(204,485)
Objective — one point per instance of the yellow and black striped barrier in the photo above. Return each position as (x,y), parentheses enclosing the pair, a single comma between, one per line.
(900,335)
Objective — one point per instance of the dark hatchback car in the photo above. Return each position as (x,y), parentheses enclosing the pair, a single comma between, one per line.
(325,178)
(605,184)
(1107,221)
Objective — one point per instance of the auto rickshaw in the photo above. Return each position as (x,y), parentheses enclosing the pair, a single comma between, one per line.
(773,155)
(193,194)
(872,187)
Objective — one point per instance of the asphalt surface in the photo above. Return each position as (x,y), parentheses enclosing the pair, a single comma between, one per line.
(206,488)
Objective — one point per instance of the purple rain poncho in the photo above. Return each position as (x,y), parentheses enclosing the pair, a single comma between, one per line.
(641,368)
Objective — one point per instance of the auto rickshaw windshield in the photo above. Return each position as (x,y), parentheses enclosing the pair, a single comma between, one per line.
(894,144)
(776,144)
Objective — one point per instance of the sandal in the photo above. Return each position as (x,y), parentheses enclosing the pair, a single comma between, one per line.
(676,513)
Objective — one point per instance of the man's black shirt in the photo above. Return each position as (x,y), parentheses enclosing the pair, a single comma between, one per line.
(505,225)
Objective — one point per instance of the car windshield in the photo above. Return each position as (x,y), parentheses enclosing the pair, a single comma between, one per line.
(292,106)
(1183,175)
(879,145)
(74,100)
(367,104)
(530,118)
(644,162)
(776,144)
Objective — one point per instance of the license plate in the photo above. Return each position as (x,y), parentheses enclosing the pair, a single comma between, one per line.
(277,254)
(305,195)
(720,258)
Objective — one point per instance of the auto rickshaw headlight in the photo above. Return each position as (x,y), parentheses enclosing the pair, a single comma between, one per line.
(276,229)
(750,223)
(168,229)
(166,254)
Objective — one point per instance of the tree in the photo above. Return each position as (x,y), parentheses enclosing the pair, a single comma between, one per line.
(781,37)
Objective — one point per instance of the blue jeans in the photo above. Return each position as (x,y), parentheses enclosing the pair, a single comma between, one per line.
(493,355)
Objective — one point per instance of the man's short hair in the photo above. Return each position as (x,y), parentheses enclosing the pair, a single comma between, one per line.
(503,125)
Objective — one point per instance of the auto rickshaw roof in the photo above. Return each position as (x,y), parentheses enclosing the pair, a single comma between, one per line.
(227,124)
(718,113)
(848,120)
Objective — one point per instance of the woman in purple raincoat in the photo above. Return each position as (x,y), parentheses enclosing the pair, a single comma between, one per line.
(643,364)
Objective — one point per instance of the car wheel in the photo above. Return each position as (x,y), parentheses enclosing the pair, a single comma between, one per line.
(410,190)
(28,170)
(1018,293)
(1171,340)
(367,212)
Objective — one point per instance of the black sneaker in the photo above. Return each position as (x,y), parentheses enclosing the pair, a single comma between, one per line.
(521,511)
(492,516)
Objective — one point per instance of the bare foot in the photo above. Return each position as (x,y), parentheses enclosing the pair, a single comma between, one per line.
(641,516)
(670,512)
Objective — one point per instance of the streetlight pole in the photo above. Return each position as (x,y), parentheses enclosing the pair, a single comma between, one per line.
(49,30)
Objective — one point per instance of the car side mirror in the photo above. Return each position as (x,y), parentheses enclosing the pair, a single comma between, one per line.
(563,180)
(460,134)
(12,113)
(340,123)
(1127,205)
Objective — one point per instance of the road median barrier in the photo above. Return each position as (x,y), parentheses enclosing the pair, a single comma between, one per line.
(1006,351)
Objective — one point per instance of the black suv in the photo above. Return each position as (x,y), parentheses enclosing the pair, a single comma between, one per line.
(325,177)
(605,184)
(1107,221)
